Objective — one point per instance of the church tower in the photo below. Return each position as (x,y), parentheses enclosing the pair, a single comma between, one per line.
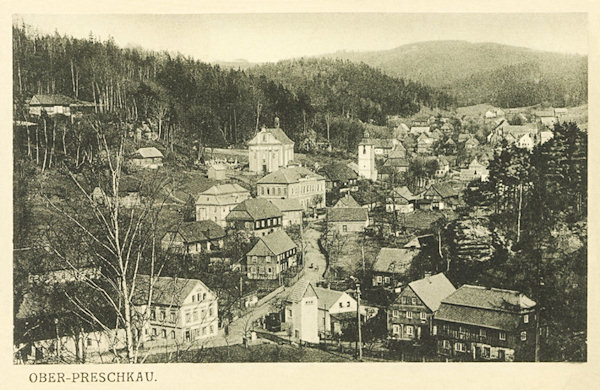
(366,159)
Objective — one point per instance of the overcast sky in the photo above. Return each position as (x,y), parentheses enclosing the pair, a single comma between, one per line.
(272,37)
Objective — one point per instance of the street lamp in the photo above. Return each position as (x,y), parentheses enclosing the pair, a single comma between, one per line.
(359,342)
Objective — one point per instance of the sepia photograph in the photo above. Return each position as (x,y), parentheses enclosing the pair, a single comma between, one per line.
(299,187)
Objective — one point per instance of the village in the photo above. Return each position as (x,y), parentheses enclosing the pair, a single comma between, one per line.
(342,253)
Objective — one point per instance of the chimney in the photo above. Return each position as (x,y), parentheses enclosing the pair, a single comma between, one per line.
(276,122)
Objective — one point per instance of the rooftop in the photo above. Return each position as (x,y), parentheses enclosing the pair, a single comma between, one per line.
(150,152)
(253,209)
(287,204)
(167,291)
(347,201)
(394,260)
(347,214)
(327,297)
(432,289)
(289,176)
(275,243)
(198,231)
(277,133)
(338,172)
(490,298)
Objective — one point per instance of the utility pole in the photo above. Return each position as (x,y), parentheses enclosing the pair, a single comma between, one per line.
(359,342)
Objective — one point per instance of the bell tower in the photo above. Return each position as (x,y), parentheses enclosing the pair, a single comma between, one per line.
(366,159)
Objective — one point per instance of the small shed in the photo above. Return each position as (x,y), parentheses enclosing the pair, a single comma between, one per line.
(217,172)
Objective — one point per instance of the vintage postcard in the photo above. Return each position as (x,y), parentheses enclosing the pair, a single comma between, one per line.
(297,187)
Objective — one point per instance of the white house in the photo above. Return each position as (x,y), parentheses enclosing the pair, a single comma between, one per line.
(301,312)
(148,158)
(332,303)
(215,203)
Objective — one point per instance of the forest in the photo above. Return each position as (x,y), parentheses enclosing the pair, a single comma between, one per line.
(193,102)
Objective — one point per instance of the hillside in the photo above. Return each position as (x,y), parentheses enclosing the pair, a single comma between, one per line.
(461,67)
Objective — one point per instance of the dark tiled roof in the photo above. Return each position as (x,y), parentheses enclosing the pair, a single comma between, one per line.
(490,298)
(394,260)
(347,214)
(253,209)
(199,231)
(338,172)
(479,317)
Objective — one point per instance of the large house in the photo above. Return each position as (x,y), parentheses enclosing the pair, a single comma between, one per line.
(439,197)
(339,176)
(346,220)
(215,203)
(148,158)
(336,308)
(257,216)
(481,323)
(270,150)
(55,104)
(194,237)
(424,144)
(301,312)
(291,211)
(270,256)
(390,266)
(293,183)
(401,200)
(475,171)
(410,316)
(181,310)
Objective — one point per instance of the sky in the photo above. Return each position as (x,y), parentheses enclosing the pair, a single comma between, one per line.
(272,37)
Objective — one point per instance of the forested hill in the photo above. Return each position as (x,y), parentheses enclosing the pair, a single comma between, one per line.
(195,102)
(349,89)
(484,72)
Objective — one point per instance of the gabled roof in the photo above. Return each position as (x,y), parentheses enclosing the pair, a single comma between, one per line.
(432,289)
(289,176)
(383,143)
(490,298)
(420,241)
(393,161)
(278,134)
(443,189)
(394,260)
(198,231)
(338,172)
(328,298)
(253,209)
(150,152)
(272,244)
(347,201)
(419,129)
(347,214)
(52,100)
(225,189)
(404,192)
(301,289)
(424,138)
(167,291)
(285,205)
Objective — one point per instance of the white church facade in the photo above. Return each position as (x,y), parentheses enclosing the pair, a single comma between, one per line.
(366,159)
(269,150)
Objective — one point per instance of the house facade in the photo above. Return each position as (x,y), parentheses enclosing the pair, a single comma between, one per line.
(148,158)
(400,200)
(215,203)
(293,183)
(410,317)
(255,215)
(269,150)
(485,324)
(390,266)
(291,211)
(301,313)
(271,255)
(55,104)
(424,144)
(475,171)
(333,307)
(366,159)
(217,172)
(194,237)
(438,197)
(181,310)
(347,220)
(339,176)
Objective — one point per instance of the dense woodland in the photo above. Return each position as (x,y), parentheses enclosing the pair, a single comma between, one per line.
(191,101)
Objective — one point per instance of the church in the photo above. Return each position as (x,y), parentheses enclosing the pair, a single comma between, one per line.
(270,150)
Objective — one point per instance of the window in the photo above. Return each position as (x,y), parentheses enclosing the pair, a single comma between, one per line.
(154,333)
(255,259)
(446,344)
(347,303)
(173,316)
(502,335)
(187,316)
(88,342)
(523,336)
(268,259)
(526,318)
(341,304)
(409,330)
(423,315)
(162,315)
(212,329)
(172,335)
(210,312)
(379,278)
(163,333)
(152,315)
(413,301)
(203,296)
(193,298)
(482,333)
(269,270)
(395,329)
(203,330)
(409,315)
(434,330)
(345,228)
(386,280)
(460,347)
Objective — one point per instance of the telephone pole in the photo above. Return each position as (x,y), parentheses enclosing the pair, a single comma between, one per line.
(359,343)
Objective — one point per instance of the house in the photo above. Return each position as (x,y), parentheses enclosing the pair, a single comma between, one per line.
(217,172)
(354,167)
(291,211)
(401,200)
(347,201)
(346,220)
(335,309)
(215,203)
(526,142)
(383,146)
(255,215)
(511,133)
(547,117)
(481,323)
(447,128)
(366,159)
(424,144)
(129,193)
(464,137)
(418,130)
(475,171)
(397,160)
(181,310)
(439,197)
(390,266)
(270,256)
(269,150)
(148,158)
(450,146)
(194,237)
(55,104)
(443,166)
(471,143)
(339,176)
(293,183)
(437,135)
(301,315)
(410,317)
(401,131)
